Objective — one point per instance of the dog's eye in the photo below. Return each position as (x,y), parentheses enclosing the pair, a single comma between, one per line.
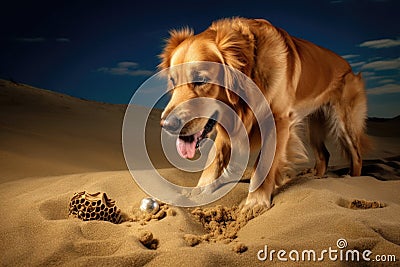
(200,81)
(172,81)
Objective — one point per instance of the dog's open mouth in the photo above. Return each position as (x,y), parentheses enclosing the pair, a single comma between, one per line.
(187,144)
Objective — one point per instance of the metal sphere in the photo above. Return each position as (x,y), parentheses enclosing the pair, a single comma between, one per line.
(149,205)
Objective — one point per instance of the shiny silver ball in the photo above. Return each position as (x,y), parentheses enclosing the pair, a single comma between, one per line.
(149,205)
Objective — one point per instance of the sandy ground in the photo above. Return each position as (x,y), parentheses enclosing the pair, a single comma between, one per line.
(52,146)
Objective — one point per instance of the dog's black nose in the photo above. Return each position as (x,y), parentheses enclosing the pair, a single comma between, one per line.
(171,124)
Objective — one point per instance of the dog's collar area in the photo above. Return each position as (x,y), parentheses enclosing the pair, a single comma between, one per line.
(207,129)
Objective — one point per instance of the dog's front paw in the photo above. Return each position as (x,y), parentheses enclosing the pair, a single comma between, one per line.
(204,190)
(258,198)
(196,191)
(249,212)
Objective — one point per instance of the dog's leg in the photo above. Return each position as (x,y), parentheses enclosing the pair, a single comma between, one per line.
(317,131)
(350,146)
(350,143)
(262,195)
(215,169)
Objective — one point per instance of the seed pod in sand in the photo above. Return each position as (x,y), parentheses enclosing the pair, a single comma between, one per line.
(97,206)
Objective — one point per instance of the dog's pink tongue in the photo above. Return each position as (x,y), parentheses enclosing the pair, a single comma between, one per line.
(187,149)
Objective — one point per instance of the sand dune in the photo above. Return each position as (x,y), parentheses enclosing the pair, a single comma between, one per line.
(46,133)
(52,145)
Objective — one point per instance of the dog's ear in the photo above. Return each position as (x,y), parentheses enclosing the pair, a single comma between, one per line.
(176,37)
(237,51)
(236,43)
(231,85)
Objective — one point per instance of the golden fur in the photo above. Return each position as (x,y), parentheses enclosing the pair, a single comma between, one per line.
(301,81)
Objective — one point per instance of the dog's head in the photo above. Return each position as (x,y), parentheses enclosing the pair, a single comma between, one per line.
(220,44)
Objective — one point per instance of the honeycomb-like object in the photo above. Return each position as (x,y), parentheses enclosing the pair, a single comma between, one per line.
(97,206)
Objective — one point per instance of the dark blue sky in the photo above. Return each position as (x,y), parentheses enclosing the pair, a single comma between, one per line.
(104,50)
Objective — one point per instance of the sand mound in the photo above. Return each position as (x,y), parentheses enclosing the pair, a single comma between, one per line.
(143,217)
(222,223)
(147,239)
(365,204)
(239,247)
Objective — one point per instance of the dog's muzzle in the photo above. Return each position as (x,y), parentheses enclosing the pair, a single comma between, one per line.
(187,144)
(172,124)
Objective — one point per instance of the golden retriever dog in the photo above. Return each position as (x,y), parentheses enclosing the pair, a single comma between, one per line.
(302,82)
